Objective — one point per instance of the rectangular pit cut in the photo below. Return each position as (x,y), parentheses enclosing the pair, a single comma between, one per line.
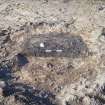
(55,45)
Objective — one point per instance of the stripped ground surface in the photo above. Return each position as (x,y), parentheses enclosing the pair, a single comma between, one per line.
(33,80)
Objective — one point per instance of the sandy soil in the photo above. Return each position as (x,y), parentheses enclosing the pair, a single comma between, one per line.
(27,79)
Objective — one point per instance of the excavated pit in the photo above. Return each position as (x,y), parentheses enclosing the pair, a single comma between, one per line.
(52,52)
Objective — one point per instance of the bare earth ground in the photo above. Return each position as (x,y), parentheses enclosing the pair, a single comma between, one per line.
(26,79)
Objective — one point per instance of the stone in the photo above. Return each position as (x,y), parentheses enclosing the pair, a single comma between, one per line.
(2,84)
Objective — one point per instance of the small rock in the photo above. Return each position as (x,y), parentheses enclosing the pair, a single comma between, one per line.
(86,101)
(101,8)
(102,36)
(103,31)
(50,65)
(2,84)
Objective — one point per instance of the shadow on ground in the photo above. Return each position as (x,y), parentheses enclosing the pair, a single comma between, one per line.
(24,93)
(28,95)
(5,73)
